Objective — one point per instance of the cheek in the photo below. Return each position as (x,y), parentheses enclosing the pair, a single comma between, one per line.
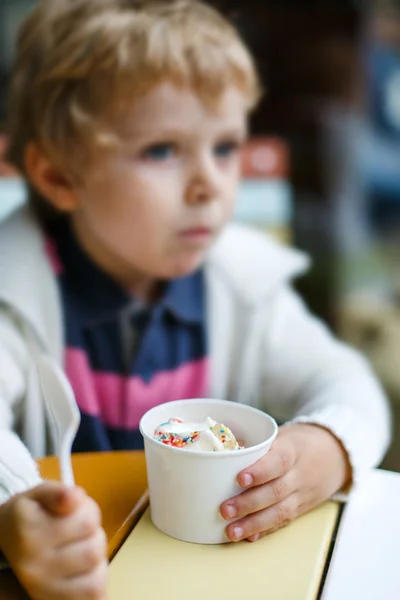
(128,203)
(231,192)
(158,179)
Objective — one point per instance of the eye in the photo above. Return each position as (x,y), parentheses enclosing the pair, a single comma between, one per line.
(226,149)
(159,152)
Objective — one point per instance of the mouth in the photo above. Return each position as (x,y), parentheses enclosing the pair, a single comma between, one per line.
(196,234)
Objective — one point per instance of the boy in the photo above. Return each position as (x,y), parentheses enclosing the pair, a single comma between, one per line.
(127,118)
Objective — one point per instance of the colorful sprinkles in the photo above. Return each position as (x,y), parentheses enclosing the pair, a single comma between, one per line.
(171,439)
(176,440)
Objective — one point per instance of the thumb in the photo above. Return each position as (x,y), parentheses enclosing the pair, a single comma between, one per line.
(57,498)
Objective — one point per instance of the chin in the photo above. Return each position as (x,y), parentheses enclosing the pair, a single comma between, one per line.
(185,267)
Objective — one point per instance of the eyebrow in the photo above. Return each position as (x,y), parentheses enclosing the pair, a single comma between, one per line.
(241,132)
(170,132)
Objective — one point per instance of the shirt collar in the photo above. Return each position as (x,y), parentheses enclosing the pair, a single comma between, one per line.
(103,298)
(184,298)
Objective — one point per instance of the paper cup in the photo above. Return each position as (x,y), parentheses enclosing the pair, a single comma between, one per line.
(188,487)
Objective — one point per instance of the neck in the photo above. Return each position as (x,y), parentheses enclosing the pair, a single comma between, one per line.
(138,284)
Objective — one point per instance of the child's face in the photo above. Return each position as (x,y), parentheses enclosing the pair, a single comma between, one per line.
(154,207)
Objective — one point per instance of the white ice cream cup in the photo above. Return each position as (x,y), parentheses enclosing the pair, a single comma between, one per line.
(187,487)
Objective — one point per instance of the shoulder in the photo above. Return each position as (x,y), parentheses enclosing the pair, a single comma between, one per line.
(22,248)
(28,285)
(252,263)
(20,230)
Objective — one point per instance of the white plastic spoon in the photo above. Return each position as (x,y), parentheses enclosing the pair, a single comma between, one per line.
(61,403)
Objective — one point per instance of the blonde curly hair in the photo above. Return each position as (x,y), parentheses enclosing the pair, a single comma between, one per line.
(79,62)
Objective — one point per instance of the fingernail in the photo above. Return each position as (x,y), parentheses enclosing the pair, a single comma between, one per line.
(247,480)
(237,533)
(230,511)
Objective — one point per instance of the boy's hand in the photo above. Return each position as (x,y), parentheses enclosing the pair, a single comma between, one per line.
(52,537)
(305,466)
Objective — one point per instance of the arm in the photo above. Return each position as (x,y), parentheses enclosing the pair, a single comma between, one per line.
(311,377)
(18,470)
(50,535)
(337,423)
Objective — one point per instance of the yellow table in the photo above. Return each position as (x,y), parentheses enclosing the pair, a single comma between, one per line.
(286,565)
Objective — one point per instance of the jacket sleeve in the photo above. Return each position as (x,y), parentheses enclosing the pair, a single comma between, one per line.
(18,470)
(311,377)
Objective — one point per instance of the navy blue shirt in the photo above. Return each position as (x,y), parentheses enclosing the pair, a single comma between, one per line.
(122,357)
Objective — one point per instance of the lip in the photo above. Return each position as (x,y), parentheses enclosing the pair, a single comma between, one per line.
(196,233)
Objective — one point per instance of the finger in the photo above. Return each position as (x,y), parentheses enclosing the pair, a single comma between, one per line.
(276,463)
(256,499)
(80,558)
(47,532)
(308,504)
(267,520)
(92,585)
(256,537)
(56,498)
(83,524)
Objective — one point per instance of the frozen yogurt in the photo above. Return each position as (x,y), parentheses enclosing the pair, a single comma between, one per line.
(205,436)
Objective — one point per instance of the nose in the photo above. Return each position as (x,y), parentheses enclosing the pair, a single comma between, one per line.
(204,183)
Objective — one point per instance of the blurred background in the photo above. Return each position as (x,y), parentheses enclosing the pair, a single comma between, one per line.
(322,168)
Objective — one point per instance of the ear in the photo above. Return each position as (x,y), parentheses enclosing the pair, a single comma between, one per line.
(48,179)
